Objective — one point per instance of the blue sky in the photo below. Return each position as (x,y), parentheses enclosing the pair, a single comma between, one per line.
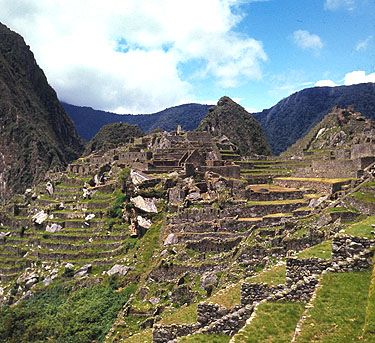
(141,56)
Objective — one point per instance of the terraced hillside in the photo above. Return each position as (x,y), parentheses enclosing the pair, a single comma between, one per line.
(175,238)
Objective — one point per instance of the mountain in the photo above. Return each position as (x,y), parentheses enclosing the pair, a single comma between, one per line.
(293,117)
(230,119)
(113,134)
(337,131)
(36,133)
(89,121)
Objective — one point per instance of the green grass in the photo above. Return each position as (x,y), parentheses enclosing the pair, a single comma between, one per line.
(336,209)
(145,336)
(363,196)
(322,250)
(369,184)
(362,228)
(369,328)
(202,338)
(339,309)
(185,315)
(228,298)
(272,277)
(274,323)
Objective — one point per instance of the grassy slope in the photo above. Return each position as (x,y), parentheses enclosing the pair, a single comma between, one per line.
(369,328)
(339,310)
(274,323)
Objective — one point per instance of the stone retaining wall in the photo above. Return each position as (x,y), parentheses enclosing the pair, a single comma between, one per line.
(299,269)
(166,333)
(261,210)
(213,245)
(352,253)
(210,312)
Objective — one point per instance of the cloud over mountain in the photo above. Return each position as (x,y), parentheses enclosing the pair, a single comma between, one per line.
(131,56)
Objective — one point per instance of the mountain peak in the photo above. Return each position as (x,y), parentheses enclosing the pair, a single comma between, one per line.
(232,120)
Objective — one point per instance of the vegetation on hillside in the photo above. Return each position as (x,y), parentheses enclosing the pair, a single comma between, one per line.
(111,135)
(232,120)
(89,121)
(293,117)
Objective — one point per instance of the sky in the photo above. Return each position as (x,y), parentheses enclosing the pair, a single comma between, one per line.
(142,56)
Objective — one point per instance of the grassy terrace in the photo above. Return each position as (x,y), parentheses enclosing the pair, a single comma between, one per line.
(202,338)
(362,228)
(273,276)
(185,315)
(322,250)
(274,323)
(364,196)
(339,310)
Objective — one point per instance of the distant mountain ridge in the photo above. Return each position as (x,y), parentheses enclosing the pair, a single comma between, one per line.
(283,124)
(293,117)
(36,133)
(89,121)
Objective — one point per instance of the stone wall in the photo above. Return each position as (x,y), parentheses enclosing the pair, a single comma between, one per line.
(170,272)
(231,171)
(166,333)
(210,312)
(362,206)
(352,253)
(319,186)
(274,196)
(251,211)
(194,215)
(255,292)
(213,245)
(133,156)
(299,269)
(362,150)
(231,323)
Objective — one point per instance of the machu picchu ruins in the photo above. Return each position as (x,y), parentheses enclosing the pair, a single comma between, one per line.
(206,240)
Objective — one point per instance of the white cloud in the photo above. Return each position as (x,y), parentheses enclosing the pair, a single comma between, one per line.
(362,45)
(305,40)
(325,83)
(336,4)
(352,78)
(358,76)
(133,55)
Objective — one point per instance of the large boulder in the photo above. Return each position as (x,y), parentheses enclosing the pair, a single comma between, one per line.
(53,228)
(171,239)
(119,269)
(145,204)
(40,217)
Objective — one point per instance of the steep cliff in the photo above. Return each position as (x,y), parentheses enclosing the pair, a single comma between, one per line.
(36,134)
